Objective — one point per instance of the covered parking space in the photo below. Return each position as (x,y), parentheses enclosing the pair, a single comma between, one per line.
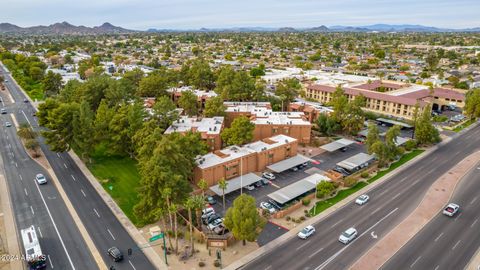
(288,163)
(356,162)
(297,189)
(390,122)
(338,144)
(236,183)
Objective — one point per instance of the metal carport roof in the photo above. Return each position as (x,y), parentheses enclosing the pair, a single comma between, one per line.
(288,163)
(333,146)
(298,188)
(236,183)
(355,161)
(395,123)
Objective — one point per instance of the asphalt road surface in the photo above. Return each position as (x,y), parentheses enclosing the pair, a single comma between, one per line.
(390,202)
(446,242)
(40,205)
(101,224)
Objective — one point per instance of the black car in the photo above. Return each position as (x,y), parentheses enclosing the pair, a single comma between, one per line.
(258,184)
(211,218)
(25,100)
(115,253)
(275,204)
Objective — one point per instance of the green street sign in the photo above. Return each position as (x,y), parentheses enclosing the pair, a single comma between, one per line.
(156,237)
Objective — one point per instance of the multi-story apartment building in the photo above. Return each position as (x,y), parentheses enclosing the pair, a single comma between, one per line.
(209,129)
(202,96)
(292,124)
(310,109)
(237,109)
(234,161)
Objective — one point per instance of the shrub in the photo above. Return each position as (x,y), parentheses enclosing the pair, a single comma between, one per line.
(324,188)
(306,201)
(288,218)
(305,211)
(201,264)
(298,220)
(216,263)
(410,145)
(349,181)
(302,218)
(364,175)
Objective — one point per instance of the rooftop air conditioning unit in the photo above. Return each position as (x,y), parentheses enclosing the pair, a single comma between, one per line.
(200,161)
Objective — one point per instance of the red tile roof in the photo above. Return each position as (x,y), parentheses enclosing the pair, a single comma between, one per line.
(376,84)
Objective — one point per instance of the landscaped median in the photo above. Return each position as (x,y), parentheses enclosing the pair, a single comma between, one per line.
(342,194)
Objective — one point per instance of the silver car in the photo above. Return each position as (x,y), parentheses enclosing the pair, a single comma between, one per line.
(41,179)
(348,236)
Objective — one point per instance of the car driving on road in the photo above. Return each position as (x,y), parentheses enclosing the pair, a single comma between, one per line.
(306,232)
(348,236)
(115,253)
(451,209)
(40,178)
(363,199)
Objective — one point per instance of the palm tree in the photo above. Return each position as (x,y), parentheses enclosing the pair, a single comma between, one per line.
(167,192)
(223,185)
(198,204)
(203,185)
(173,209)
(190,204)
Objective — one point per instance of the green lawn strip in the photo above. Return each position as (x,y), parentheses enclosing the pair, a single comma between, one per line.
(119,177)
(342,194)
(396,164)
(464,125)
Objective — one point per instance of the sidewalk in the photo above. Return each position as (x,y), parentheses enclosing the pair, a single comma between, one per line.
(434,200)
(474,263)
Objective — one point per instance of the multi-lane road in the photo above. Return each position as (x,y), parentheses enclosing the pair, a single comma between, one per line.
(101,224)
(390,202)
(446,242)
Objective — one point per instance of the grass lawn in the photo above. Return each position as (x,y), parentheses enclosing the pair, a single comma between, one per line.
(464,125)
(396,164)
(323,205)
(342,194)
(120,178)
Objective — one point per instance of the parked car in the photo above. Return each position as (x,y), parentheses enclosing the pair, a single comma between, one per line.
(3,111)
(8,124)
(306,232)
(210,200)
(363,199)
(250,187)
(341,170)
(451,209)
(217,222)
(266,206)
(115,253)
(344,149)
(258,184)
(269,175)
(40,178)
(275,204)
(25,100)
(207,212)
(264,181)
(212,218)
(294,169)
(360,139)
(220,230)
(348,236)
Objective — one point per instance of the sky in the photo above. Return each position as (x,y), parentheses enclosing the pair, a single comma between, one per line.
(195,14)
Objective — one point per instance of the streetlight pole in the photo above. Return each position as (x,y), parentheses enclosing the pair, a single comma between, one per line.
(241,175)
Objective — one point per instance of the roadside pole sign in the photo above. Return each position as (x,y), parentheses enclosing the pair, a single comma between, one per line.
(156,237)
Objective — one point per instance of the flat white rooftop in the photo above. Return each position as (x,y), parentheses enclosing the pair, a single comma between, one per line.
(198,93)
(247,107)
(280,118)
(208,125)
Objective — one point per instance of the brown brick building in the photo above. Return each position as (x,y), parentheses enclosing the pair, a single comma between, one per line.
(209,129)
(292,124)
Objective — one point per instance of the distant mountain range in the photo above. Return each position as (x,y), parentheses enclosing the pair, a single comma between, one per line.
(66,28)
(63,28)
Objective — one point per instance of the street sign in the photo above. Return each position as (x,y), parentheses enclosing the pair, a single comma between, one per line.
(155,237)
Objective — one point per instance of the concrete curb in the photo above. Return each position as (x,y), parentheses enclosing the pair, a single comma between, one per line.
(474,263)
(122,218)
(293,232)
(414,214)
(13,245)
(83,231)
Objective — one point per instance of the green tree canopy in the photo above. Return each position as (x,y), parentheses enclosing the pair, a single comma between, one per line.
(52,83)
(240,132)
(243,219)
(188,102)
(215,107)
(472,103)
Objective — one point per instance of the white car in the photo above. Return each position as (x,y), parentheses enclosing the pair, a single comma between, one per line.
(250,187)
(451,209)
(269,175)
(8,124)
(306,232)
(268,207)
(363,199)
(348,236)
(214,224)
(207,212)
(40,178)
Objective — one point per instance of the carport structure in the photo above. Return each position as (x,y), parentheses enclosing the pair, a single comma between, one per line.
(356,162)
(393,123)
(288,163)
(334,146)
(293,191)
(236,183)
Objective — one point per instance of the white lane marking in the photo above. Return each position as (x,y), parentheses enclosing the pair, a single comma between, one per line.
(84,195)
(336,223)
(474,199)
(456,245)
(396,196)
(376,210)
(26,118)
(58,155)
(65,165)
(383,192)
(438,237)
(111,234)
(16,164)
(415,261)
(73,177)
(131,264)
(302,245)
(20,176)
(436,267)
(405,178)
(268,267)
(7,137)
(9,145)
(26,193)
(40,232)
(95,210)
(325,263)
(458,216)
(31,208)
(475,221)
(56,229)
(315,253)
(51,264)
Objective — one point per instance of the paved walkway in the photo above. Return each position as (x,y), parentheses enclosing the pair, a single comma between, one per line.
(435,199)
